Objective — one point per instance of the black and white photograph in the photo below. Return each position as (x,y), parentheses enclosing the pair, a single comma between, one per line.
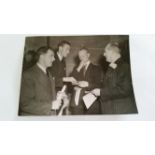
(76,75)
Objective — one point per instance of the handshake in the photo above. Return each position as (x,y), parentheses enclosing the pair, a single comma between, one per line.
(74,82)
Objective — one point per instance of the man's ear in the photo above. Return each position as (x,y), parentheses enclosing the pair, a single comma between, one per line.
(41,56)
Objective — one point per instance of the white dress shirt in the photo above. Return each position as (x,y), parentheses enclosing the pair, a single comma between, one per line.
(42,68)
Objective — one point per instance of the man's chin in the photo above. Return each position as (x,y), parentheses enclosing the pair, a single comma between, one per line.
(108,60)
(50,65)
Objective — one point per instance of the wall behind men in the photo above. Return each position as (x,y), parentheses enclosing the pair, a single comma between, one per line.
(95,44)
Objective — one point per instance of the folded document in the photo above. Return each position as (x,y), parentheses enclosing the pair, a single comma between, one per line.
(89,99)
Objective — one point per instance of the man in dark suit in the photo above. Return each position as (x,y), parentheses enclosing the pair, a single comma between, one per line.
(38,87)
(116,95)
(88,77)
(58,69)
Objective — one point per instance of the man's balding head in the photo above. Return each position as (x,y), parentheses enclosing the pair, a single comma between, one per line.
(112,51)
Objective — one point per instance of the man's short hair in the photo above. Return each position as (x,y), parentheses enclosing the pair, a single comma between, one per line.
(63,42)
(84,48)
(31,52)
(42,50)
(113,46)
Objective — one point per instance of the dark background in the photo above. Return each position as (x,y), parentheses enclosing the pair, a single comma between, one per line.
(95,44)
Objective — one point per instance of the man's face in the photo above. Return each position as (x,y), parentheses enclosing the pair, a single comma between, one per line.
(108,54)
(83,55)
(65,50)
(48,58)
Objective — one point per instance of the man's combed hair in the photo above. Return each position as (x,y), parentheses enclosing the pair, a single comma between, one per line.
(64,42)
(42,50)
(84,48)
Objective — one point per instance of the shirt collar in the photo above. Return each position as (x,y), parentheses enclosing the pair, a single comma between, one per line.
(87,64)
(113,65)
(59,56)
(42,68)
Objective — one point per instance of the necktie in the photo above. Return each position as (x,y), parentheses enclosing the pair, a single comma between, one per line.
(47,74)
(84,70)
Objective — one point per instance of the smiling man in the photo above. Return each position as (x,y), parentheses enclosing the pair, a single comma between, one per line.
(88,77)
(116,95)
(58,69)
(38,88)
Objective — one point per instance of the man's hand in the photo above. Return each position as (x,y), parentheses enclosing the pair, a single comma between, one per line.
(61,95)
(56,104)
(96,92)
(75,83)
(65,101)
(83,84)
(64,106)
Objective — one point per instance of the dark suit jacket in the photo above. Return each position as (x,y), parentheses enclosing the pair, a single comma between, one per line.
(37,92)
(58,71)
(93,77)
(117,93)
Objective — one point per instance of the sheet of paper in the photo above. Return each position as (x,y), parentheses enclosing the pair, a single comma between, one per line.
(77,95)
(69,79)
(89,99)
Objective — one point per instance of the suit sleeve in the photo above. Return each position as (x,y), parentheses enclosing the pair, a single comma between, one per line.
(28,103)
(122,87)
(58,71)
(76,74)
(95,80)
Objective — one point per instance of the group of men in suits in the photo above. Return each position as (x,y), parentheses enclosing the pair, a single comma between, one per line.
(42,84)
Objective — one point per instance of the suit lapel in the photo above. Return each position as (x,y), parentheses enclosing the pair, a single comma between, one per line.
(52,82)
(87,73)
(42,77)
